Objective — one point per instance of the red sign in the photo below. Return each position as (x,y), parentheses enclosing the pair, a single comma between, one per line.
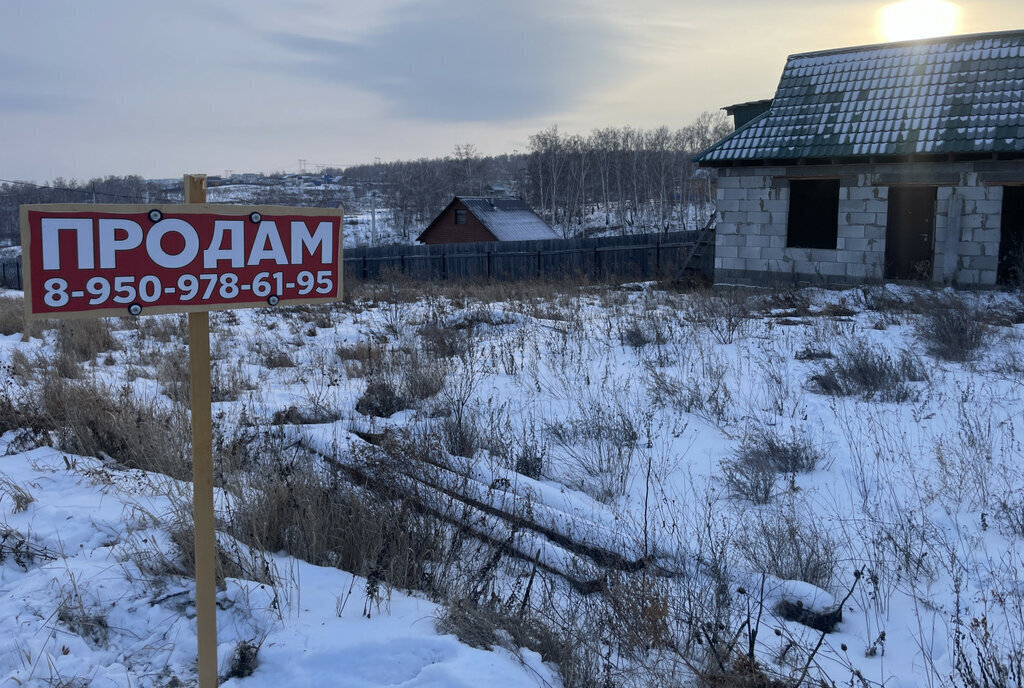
(120,259)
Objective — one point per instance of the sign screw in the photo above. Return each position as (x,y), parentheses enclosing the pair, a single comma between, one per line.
(255,218)
(135,309)
(155,215)
(273,300)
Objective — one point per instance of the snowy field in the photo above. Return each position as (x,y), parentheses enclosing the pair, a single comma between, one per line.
(588,485)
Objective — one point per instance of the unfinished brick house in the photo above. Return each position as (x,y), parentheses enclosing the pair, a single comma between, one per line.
(901,161)
(474,218)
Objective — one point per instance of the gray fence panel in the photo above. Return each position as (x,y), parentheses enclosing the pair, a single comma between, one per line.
(10,273)
(646,256)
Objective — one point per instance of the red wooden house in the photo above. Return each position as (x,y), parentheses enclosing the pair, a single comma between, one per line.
(470,218)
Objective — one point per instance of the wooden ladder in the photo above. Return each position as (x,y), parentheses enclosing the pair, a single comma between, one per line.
(705,238)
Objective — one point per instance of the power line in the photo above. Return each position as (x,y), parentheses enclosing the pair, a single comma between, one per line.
(72,190)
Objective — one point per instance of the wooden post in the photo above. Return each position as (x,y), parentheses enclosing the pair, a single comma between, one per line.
(202,474)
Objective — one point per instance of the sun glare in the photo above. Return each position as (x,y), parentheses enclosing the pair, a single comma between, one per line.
(910,19)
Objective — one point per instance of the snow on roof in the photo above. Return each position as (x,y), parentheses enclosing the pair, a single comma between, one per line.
(956,94)
(508,219)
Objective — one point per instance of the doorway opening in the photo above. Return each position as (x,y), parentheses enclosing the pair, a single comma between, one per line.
(910,233)
(1011,238)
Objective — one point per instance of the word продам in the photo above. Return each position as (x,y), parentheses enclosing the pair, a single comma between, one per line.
(94,260)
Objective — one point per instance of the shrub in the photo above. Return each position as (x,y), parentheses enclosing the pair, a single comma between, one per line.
(861,370)
(530,461)
(278,358)
(764,446)
(883,300)
(952,331)
(19,411)
(227,382)
(460,434)
(501,623)
(599,444)
(984,657)
(244,660)
(749,479)
(444,341)
(789,545)
(401,380)
(725,313)
(635,336)
(380,398)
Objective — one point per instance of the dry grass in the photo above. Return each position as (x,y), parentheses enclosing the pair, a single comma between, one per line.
(12,319)
(172,372)
(94,420)
(14,546)
(161,328)
(83,340)
(362,358)
(289,505)
(17,494)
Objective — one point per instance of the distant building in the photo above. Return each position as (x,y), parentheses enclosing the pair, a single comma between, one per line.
(472,218)
(898,161)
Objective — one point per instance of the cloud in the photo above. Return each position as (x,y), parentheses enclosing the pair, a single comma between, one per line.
(465,60)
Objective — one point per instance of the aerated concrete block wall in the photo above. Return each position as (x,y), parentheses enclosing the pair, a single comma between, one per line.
(967,230)
(753,208)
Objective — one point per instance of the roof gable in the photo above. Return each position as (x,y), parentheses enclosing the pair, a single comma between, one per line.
(951,95)
(508,219)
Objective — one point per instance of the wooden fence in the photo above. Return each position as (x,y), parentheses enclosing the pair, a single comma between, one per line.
(635,257)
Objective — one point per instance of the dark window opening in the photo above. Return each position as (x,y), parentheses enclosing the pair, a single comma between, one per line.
(460,217)
(1011,238)
(813,213)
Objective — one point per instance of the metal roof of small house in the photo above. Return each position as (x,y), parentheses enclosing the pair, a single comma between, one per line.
(508,219)
(940,96)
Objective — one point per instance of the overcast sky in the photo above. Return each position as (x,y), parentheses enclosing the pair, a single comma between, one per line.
(160,89)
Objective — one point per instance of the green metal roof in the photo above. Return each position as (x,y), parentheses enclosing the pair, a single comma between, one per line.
(950,95)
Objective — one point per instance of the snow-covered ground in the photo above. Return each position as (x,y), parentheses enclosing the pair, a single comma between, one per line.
(79,610)
(622,427)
